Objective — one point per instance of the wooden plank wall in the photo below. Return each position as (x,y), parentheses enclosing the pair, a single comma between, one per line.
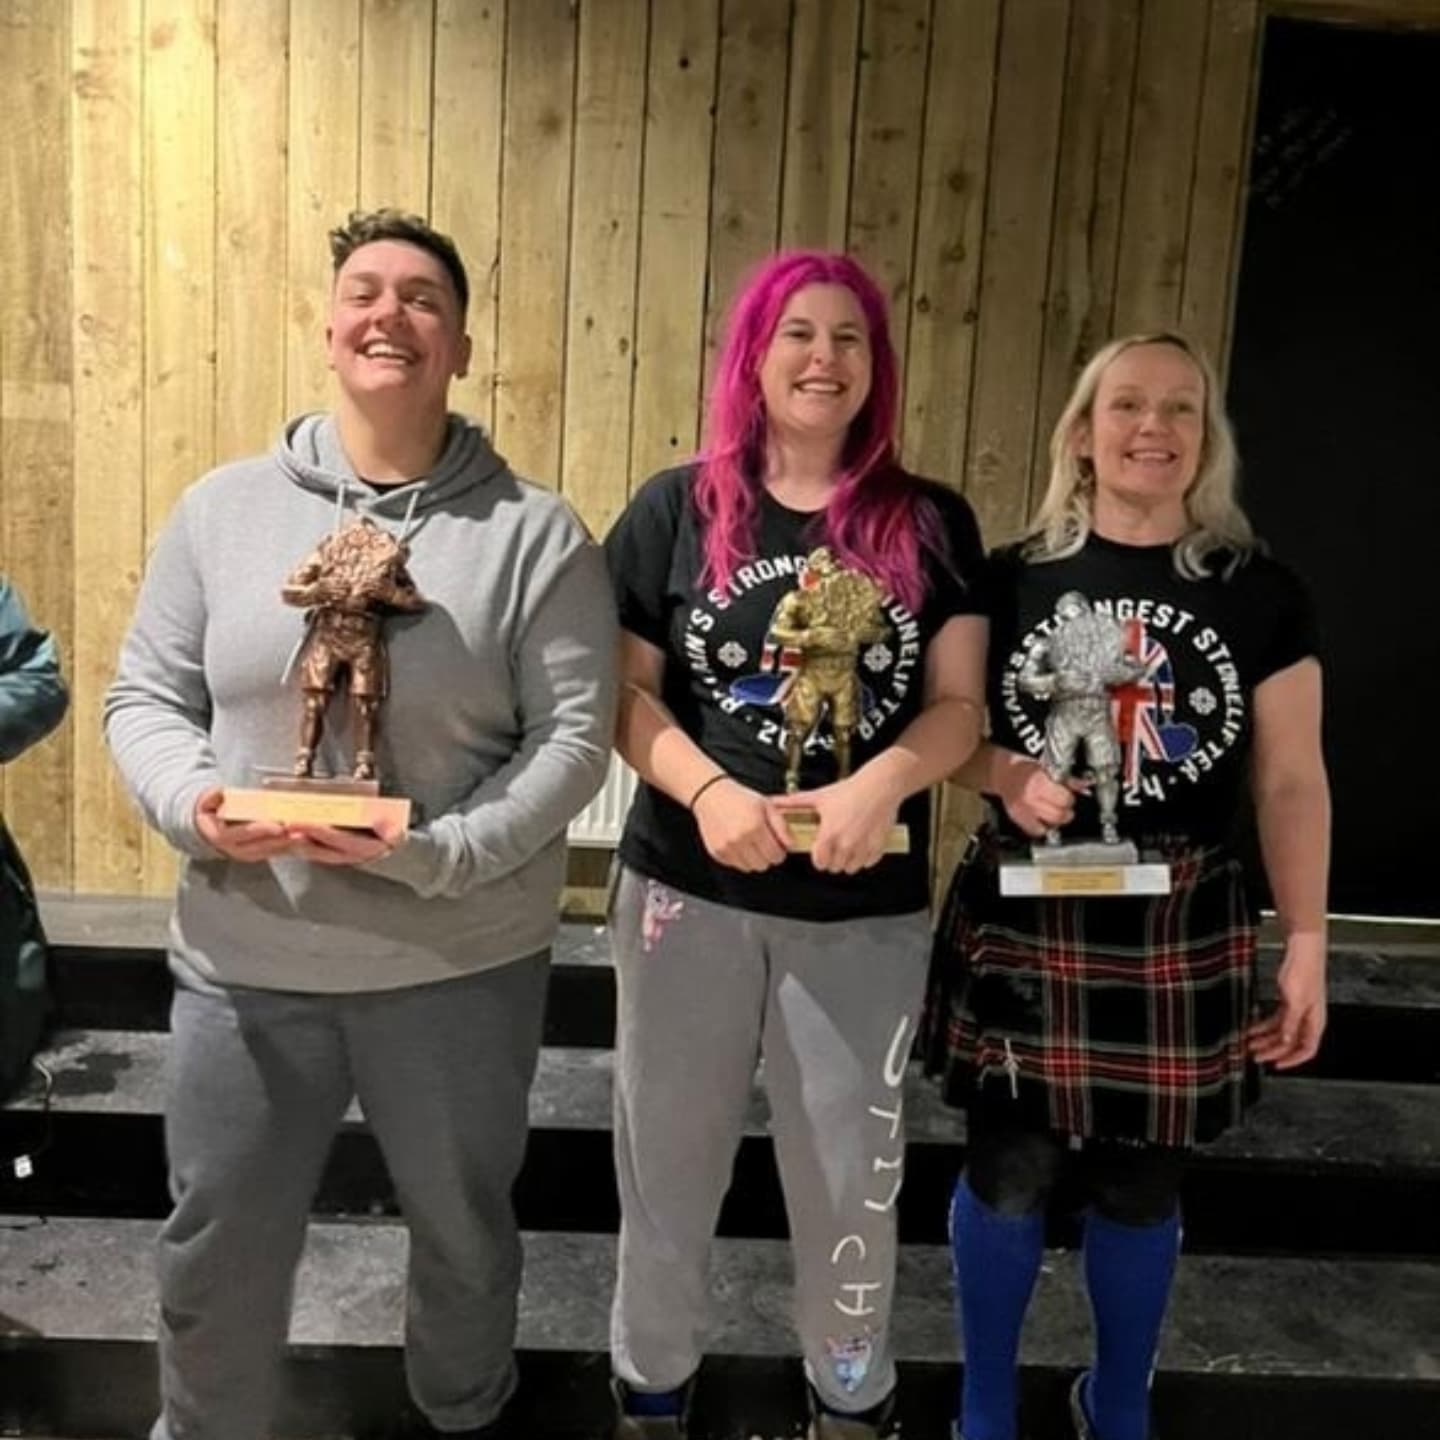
(1025,177)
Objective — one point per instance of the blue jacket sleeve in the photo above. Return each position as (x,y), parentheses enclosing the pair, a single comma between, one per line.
(33,697)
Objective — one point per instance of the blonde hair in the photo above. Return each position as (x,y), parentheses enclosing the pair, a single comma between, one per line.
(1061,524)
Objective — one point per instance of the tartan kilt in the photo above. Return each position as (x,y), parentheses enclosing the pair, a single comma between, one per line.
(1116,1018)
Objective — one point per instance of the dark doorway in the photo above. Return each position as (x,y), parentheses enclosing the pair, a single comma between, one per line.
(1335,391)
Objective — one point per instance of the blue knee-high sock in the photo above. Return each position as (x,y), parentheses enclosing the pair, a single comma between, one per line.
(1128,1272)
(654,1402)
(997,1258)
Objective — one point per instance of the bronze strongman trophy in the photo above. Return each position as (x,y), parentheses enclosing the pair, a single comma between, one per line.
(1073,669)
(347,586)
(822,625)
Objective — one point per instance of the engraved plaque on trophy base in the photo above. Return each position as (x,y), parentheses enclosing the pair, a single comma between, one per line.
(292,800)
(804,826)
(1089,868)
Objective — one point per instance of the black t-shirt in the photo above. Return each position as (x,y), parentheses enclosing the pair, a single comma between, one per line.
(1185,727)
(722,678)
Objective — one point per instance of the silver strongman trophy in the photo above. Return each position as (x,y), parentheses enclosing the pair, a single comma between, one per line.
(1073,669)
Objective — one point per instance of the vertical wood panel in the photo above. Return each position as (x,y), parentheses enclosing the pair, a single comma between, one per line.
(179,276)
(396,45)
(1052,173)
(889,116)
(749,144)
(250,164)
(600,327)
(1024,145)
(955,169)
(534,227)
(955,176)
(824,53)
(323,182)
(179,248)
(674,230)
(1084,238)
(109,331)
(1160,167)
(35,399)
(465,174)
(1213,244)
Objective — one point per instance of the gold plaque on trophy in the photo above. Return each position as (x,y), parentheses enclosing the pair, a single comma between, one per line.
(345,804)
(804,826)
(1036,878)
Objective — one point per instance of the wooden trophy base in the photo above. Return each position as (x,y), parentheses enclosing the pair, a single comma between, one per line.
(804,826)
(1088,868)
(294,800)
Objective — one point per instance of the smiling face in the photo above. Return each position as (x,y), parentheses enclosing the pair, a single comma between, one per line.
(395,326)
(815,376)
(1145,434)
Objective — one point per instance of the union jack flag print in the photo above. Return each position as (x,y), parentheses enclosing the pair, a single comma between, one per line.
(1144,709)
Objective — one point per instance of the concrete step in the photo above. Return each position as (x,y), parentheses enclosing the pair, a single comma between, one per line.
(1302,1121)
(109,972)
(1308,1302)
(141,921)
(1366,1324)
(122,981)
(1371,1151)
(1231,1313)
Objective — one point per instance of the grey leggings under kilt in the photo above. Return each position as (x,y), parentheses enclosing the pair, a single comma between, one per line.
(1114,1018)
(829,1009)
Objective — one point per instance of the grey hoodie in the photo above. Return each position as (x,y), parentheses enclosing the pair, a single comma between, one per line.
(497,724)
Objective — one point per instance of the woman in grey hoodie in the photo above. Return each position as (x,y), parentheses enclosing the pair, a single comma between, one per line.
(314,964)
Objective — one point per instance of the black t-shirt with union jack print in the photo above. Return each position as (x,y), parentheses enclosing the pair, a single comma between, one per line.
(724,673)
(1184,727)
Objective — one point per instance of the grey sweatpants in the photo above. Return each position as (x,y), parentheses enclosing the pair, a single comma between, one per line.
(259,1082)
(704,992)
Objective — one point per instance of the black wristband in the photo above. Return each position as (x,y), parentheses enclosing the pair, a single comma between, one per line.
(705,785)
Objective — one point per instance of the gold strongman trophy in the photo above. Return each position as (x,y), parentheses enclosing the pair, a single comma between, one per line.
(821,626)
(348,585)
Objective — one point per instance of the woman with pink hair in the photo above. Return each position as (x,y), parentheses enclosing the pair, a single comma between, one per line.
(733,943)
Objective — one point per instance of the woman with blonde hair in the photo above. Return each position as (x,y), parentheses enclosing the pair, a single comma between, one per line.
(1103,1038)
(1214,519)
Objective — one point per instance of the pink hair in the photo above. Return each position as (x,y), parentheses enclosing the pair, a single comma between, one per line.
(874,521)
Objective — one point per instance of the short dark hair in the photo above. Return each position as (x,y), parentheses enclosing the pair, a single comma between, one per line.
(363,227)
